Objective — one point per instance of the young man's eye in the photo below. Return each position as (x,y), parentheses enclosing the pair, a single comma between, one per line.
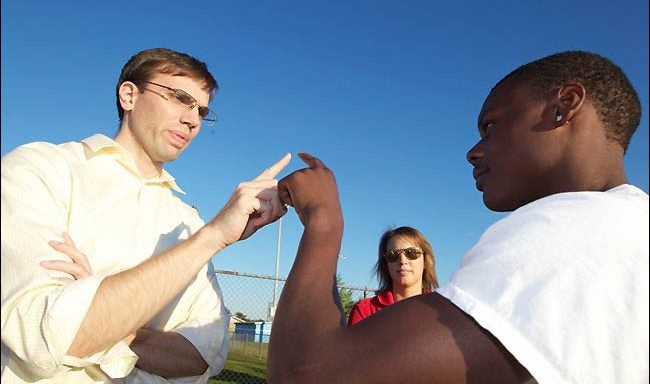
(485,129)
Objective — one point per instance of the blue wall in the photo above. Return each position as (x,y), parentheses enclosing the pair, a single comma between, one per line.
(257,332)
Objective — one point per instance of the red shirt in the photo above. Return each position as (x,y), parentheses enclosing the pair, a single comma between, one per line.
(367,307)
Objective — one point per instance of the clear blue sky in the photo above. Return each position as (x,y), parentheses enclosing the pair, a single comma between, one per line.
(385,92)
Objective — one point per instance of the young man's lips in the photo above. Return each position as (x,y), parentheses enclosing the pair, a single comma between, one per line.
(478,172)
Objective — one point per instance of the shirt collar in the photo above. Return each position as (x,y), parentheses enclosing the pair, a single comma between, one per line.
(386,297)
(100,144)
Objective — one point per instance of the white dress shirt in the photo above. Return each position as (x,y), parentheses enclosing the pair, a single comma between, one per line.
(93,191)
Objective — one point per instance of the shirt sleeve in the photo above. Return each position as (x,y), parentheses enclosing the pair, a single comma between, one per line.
(40,316)
(355,315)
(207,325)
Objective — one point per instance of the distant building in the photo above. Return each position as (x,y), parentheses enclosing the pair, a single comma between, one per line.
(257,331)
(234,320)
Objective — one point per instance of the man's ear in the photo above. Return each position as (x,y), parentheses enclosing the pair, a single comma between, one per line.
(128,93)
(570,99)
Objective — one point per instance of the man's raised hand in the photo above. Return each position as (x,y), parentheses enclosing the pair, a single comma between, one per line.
(252,205)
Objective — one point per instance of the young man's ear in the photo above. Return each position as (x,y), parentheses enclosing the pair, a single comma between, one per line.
(128,94)
(570,99)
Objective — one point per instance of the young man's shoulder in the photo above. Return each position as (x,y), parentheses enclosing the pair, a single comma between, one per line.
(616,201)
(565,218)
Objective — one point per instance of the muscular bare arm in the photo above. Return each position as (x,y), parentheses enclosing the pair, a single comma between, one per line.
(424,339)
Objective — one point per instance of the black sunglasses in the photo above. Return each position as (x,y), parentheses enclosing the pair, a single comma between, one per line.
(393,255)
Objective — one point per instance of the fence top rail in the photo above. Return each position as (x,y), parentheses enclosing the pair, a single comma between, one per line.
(235,273)
(268,277)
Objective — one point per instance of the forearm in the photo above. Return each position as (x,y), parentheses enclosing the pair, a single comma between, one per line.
(312,280)
(309,308)
(167,354)
(124,302)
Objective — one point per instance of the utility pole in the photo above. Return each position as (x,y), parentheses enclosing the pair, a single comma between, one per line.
(277,271)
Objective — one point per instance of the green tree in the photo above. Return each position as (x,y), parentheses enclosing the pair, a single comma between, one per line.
(347,298)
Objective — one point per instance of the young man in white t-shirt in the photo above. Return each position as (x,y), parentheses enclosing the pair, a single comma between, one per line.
(556,292)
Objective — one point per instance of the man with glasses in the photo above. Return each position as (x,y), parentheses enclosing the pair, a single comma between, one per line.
(129,291)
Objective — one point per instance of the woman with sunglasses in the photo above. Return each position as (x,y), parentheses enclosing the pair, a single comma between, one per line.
(405,267)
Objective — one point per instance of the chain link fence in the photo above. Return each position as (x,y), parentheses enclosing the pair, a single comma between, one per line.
(251,300)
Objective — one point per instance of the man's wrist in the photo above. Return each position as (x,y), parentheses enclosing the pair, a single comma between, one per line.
(210,236)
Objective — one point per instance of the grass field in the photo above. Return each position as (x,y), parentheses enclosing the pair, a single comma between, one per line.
(242,369)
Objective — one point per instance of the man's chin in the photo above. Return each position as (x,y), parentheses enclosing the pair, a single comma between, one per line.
(173,154)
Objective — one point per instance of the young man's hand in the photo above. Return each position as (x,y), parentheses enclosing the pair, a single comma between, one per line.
(313,193)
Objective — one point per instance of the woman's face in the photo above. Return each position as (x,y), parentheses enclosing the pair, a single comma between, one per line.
(405,272)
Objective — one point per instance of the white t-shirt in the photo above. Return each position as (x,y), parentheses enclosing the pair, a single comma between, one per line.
(562,282)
